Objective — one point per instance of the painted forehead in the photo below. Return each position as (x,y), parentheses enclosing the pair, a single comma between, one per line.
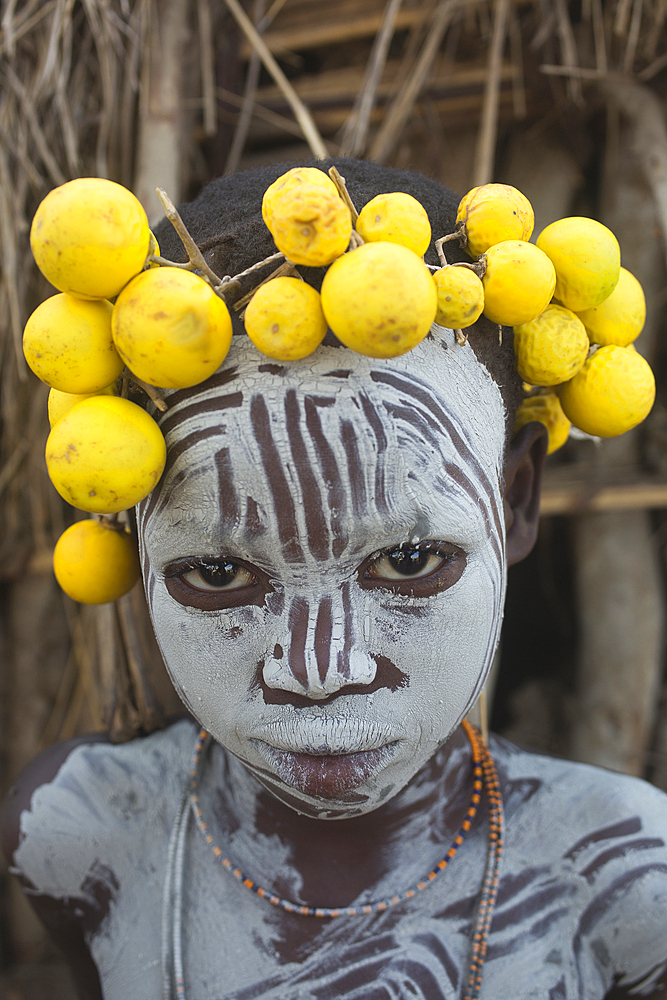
(318,444)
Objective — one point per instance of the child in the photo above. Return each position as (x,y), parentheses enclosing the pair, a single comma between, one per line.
(325,561)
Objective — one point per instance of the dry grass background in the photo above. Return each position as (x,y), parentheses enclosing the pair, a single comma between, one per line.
(567,101)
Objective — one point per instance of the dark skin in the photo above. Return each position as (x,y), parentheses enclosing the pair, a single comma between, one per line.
(353,867)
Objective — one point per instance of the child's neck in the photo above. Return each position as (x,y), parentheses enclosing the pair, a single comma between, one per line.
(332,862)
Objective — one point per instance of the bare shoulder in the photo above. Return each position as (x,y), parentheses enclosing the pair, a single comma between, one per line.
(69,820)
(85,791)
(578,804)
(597,840)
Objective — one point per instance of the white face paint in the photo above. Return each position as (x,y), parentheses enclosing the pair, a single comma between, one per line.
(332,665)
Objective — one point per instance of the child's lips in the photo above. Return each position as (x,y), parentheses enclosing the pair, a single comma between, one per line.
(327,776)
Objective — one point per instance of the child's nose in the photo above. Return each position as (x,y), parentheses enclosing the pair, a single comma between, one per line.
(323,650)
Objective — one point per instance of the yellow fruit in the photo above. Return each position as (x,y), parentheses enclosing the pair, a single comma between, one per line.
(620,318)
(545,409)
(89,237)
(60,403)
(518,283)
(551,348)
(379,299)
(396,218)
(68,344)
(613,392)
(460,297)
(95,563)
(284,319)
(105,455)
(494,213)
(587,259)
(309,221)
(170,328)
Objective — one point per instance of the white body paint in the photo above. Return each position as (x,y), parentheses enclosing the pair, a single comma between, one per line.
(442,644)
(583,893)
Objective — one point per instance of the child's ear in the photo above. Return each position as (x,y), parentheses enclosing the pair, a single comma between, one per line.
(523,480)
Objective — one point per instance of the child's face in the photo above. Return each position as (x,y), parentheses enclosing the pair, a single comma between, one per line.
(325,565)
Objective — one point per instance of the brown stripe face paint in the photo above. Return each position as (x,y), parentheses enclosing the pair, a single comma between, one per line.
(298,485)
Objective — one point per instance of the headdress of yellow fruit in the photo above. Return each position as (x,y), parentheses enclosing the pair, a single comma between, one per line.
(379,299)
(395,218)
(545,409)
(95,562)
(587,259)
(550,348)
(460,297)
(60,403)
(518,283)
(307,218)
(284,319)
(613,392)
(170,328)
(620,318)
(89,237)
(105,455)
(68,344)
(494,213)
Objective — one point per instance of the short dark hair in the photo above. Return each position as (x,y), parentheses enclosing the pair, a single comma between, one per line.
(225,220)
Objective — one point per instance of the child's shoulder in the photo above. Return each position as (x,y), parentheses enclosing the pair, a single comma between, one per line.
(602,828)
(87,790)
(576,795)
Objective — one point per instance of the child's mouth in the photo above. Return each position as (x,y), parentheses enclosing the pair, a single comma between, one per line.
(326,776)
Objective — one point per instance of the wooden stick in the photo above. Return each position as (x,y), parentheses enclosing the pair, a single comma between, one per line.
(301,113)
(247,106)
(194,253)
(568,47)
(581,71)
(402,106)
(259,111)
(207,66)
(488,129)
(484,715)
(339,181)
(151,392)
(355,129)
(286,268)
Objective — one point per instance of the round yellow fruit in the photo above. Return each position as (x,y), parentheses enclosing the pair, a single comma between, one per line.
(95,563)
(518,283)
(284,319)
(60,403)
(587,259)
(89,237)
(620,318)
(613,392)
(380,299)
(105,455)
(494,213)
(550,348)
(460,297)
(309,221)
(396,218)
(68,344)
(545,409)
(170,328)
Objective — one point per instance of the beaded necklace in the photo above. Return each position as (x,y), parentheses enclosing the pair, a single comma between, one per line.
(484,776)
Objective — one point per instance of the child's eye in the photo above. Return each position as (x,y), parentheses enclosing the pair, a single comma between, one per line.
(414,570)
(404,562)
(215,584)
(218,576)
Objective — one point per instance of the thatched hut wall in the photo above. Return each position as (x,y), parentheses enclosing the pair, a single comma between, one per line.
(565,102)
